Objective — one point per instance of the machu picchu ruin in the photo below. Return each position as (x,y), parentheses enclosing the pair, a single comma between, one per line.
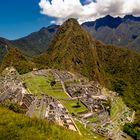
(72,99)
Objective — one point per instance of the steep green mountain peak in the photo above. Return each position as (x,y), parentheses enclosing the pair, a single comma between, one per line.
(72,49)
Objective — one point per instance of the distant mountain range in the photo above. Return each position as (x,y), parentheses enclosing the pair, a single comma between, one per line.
(109,21)
(36,42)
(33,44)
(123,32)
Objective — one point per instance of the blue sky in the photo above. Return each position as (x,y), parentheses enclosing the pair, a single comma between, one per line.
(20,17)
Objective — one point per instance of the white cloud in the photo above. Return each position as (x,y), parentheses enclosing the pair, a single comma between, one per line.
(64,9)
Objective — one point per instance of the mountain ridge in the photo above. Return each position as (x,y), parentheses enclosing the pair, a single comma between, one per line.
(118,31)
(38,42)
(110,21)
(30,44)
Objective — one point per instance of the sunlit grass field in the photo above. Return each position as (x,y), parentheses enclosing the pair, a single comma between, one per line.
(15,126)
(41,84)
(71,106)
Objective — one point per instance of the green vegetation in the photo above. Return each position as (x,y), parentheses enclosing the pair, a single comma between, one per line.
(53,83)
(73,108)
(2,53)
(16,59)
(41,84)
(92,119)
(17,126)
(87,132)
(122,68)
(12,106)
(133,129)
(117,106)
(72,49)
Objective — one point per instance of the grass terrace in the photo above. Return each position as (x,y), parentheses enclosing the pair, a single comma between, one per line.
(41,84)
(73,107)
(92,119)
(117,107)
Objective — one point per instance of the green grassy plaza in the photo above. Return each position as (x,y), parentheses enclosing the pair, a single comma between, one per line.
(41,84)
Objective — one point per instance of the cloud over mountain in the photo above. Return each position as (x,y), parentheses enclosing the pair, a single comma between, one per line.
(89,9)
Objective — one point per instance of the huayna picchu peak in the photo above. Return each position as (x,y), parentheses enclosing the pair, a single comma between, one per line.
(73,49)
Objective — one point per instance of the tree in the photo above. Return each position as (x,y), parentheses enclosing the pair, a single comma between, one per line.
(77,93)
(78,103)
(53,83)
